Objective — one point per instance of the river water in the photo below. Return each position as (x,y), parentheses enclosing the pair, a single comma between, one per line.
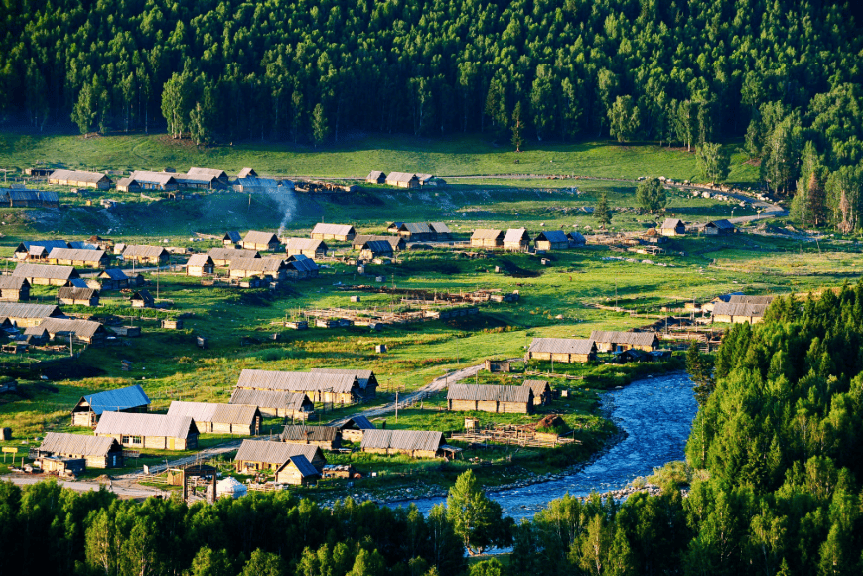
(656,415)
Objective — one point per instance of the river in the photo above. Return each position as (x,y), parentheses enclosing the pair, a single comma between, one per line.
(656,415)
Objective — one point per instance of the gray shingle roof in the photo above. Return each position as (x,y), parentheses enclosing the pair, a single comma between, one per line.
(335,229)
(537,386)
(375,174)
(400,176)
(21,310)
(257,237)
(30,196)
(363,376)
(311,433)
(402,440)
(630,338)
(274,452)
(143,251)
(211,412)
(148,177)
(207,173)
(134,424)
(440,227)
(78,444)
(747,299)
(730,309)
(119,399)
(489,392)
(513,235)
(86,255)
(486,234)
(73,293)
(671,223)
(296,381)
(49,271)
(13,282)
(231,254)
(76,175)
(245,172)
(280,399)
(200,260)
(303,244)
(722,224)
(257,264)
(65,326)
(378,247)
(562,346)
(415,227)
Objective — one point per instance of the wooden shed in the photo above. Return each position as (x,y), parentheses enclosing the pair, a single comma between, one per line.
(414,443)
(199,265)
(415,231)
(366,379)
(38,172)
(80,179)
(274,268)
(551,240)
(490,398)
(275,403)
(672,227)
(154,431)
(376,249)
(318,386)
(719,228)
(308,247)
(147,180)
(45,274)
(25,315)
(79,331)
(354,427)
(96,451)
(402,180)
(576,239)
(247,172)
(231,238)
(14,289)
(325,437)
(342,232)
(440,230)
(396,242)
(78,296)
(541,391)
(738,313)
(113,279)
(297,471)
(220,418)
(142,299)
(515,239)
(299,267)
(128,184)
(215,175)
(260,241)
(224,256)
(565,350)
(144,254)
(268,455)
(607,341)
(485,238)
(376,177)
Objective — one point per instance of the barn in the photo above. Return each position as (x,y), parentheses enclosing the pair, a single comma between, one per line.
(376,177)
(155,431)
(14,289)
(485,238)
(261,241)
(199,265)
(79,331)
(80,179)
(224,256)
(275,403)
(325,437)
(268,455)
(414,443)
(565,350)
(37,249)
(402,180)
(274,268)
(516,239)
(551,240)
(26,315)
(144,254)
(541,391)
(607,341)
(672,227)
(342,232)
(308,247)
(297,471)
(366,379)
(45,274)
(354,427)
(90,407)
(113,279)
(211,418)
(146,180)
(318,386)
(738,313)
(96,451)
(78,296)
(376,249)
(78,257)
(490,398)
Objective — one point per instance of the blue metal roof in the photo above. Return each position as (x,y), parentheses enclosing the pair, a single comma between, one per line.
(303,465)
(120,399)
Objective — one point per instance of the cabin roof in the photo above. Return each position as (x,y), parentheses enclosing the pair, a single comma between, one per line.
(489,392)
(562,346)
(142,424)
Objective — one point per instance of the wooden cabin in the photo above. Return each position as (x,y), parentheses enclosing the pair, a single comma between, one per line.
(515,239)
(96,451)
(146,180)
(79,331)
(37,249)
(738,313)
(341,232)
(318,386)
(256,455)
(128,184)
(402,180)
(142,299)
(78,296)
(485,238)
(299,267)
(45,274)
(247,173)
(490,398)
(231,239)
(212,418)
(307,247)
(16,198)
(719,228)
(415,231)
(113,279)
(414,443)
(440,231)
(276,403)
(376,249)
(260,241)
(38,172)
(25,315)
(325,437)
(274,268)
(618,341)
(217,177)
(80,179)
(354,427)
(143,254)
(199,265)
(366,379)
(224,256)
(396,242)
(14,289)
(90,407)
(376,177)
(576,239)
(541,391)
(565,350)
(36,336)
(297,471)
(672,227)
(153,431)
(551,240)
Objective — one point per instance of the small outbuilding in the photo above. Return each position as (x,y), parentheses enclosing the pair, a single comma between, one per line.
(486,238)
(297,471)
(14,289)
(354,427)
(231,238)
(78,296)
(672,227)
(541,391)
(516,240)
(308,247)
(402,180)
(199,265)
(341,232)
(376,177)
(113,279)
(719,228)
(260,241)
(551,240)
(142,299)
(376,249)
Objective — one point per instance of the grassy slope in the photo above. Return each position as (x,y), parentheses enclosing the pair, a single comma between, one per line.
(354,158)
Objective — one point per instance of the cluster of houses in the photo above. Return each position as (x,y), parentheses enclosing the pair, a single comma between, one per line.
(404,179)
(676,227)
(519,240)
(165,181)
